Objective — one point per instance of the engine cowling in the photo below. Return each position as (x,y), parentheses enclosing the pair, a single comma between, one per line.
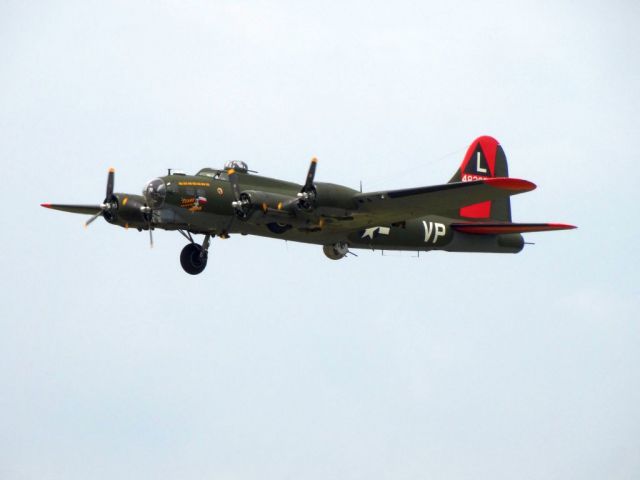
(258,200)
(265,208)
(128,211)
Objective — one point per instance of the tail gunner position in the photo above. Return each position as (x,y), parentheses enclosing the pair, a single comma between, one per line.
(470,213)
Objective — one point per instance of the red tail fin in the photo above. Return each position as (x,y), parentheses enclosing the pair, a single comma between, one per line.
(485,158)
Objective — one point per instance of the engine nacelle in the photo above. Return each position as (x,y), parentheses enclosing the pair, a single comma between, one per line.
(128,212)
(336,251)
(256,199)
(263,208)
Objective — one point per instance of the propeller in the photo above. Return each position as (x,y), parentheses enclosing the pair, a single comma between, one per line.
(108,208)
(147,212)
(148,215)
(240,204)
(154,195)
(235,188)
(109,203)
(307,196)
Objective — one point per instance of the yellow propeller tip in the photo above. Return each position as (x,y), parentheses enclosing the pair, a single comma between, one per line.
(112,170)
(314,160)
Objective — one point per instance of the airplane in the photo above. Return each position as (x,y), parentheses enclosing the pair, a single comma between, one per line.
(470,213)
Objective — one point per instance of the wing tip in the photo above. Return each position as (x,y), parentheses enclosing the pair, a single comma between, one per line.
(562,226)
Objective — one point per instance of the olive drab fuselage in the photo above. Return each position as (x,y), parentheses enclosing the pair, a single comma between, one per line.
(202,205)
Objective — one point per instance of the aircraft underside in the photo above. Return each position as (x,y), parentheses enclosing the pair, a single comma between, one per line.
(422,234)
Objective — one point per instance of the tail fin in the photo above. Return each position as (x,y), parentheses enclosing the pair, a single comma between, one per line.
(485,158)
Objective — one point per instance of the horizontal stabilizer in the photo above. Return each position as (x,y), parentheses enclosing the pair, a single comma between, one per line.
(84,209)
(496,228)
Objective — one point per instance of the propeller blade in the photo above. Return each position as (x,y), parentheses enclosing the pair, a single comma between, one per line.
(88,222)
(150,237)
(110,181)
(308,184)
(306,196)
(233,180)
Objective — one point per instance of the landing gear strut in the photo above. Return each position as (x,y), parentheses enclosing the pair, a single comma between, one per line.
(193,257)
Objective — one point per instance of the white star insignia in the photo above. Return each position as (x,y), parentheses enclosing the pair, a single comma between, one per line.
(371,232)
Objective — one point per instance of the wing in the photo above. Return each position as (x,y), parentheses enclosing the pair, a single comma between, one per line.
(84,209)
(397,205)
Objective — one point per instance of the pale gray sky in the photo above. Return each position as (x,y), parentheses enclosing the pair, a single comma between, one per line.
(276,362)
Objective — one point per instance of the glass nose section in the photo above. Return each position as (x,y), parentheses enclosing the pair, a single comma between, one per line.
(155,193)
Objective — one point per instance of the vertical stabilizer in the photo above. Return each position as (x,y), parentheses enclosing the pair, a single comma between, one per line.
(485,158)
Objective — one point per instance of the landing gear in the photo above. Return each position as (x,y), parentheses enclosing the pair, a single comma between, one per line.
(336,251)
(193,257)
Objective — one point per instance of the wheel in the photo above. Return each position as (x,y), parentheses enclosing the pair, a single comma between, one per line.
(191,259)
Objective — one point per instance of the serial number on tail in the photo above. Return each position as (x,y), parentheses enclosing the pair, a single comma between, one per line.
(471,178)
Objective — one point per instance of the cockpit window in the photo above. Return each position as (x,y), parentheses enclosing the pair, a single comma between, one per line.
(155,192)
(210,172)
(207,172)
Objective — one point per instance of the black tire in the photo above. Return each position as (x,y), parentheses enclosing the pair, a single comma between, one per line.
(191,260)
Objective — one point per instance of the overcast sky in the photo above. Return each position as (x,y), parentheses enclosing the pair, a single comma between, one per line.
(277,362)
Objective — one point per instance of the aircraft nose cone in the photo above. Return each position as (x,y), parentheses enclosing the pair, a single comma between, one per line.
(155,192)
